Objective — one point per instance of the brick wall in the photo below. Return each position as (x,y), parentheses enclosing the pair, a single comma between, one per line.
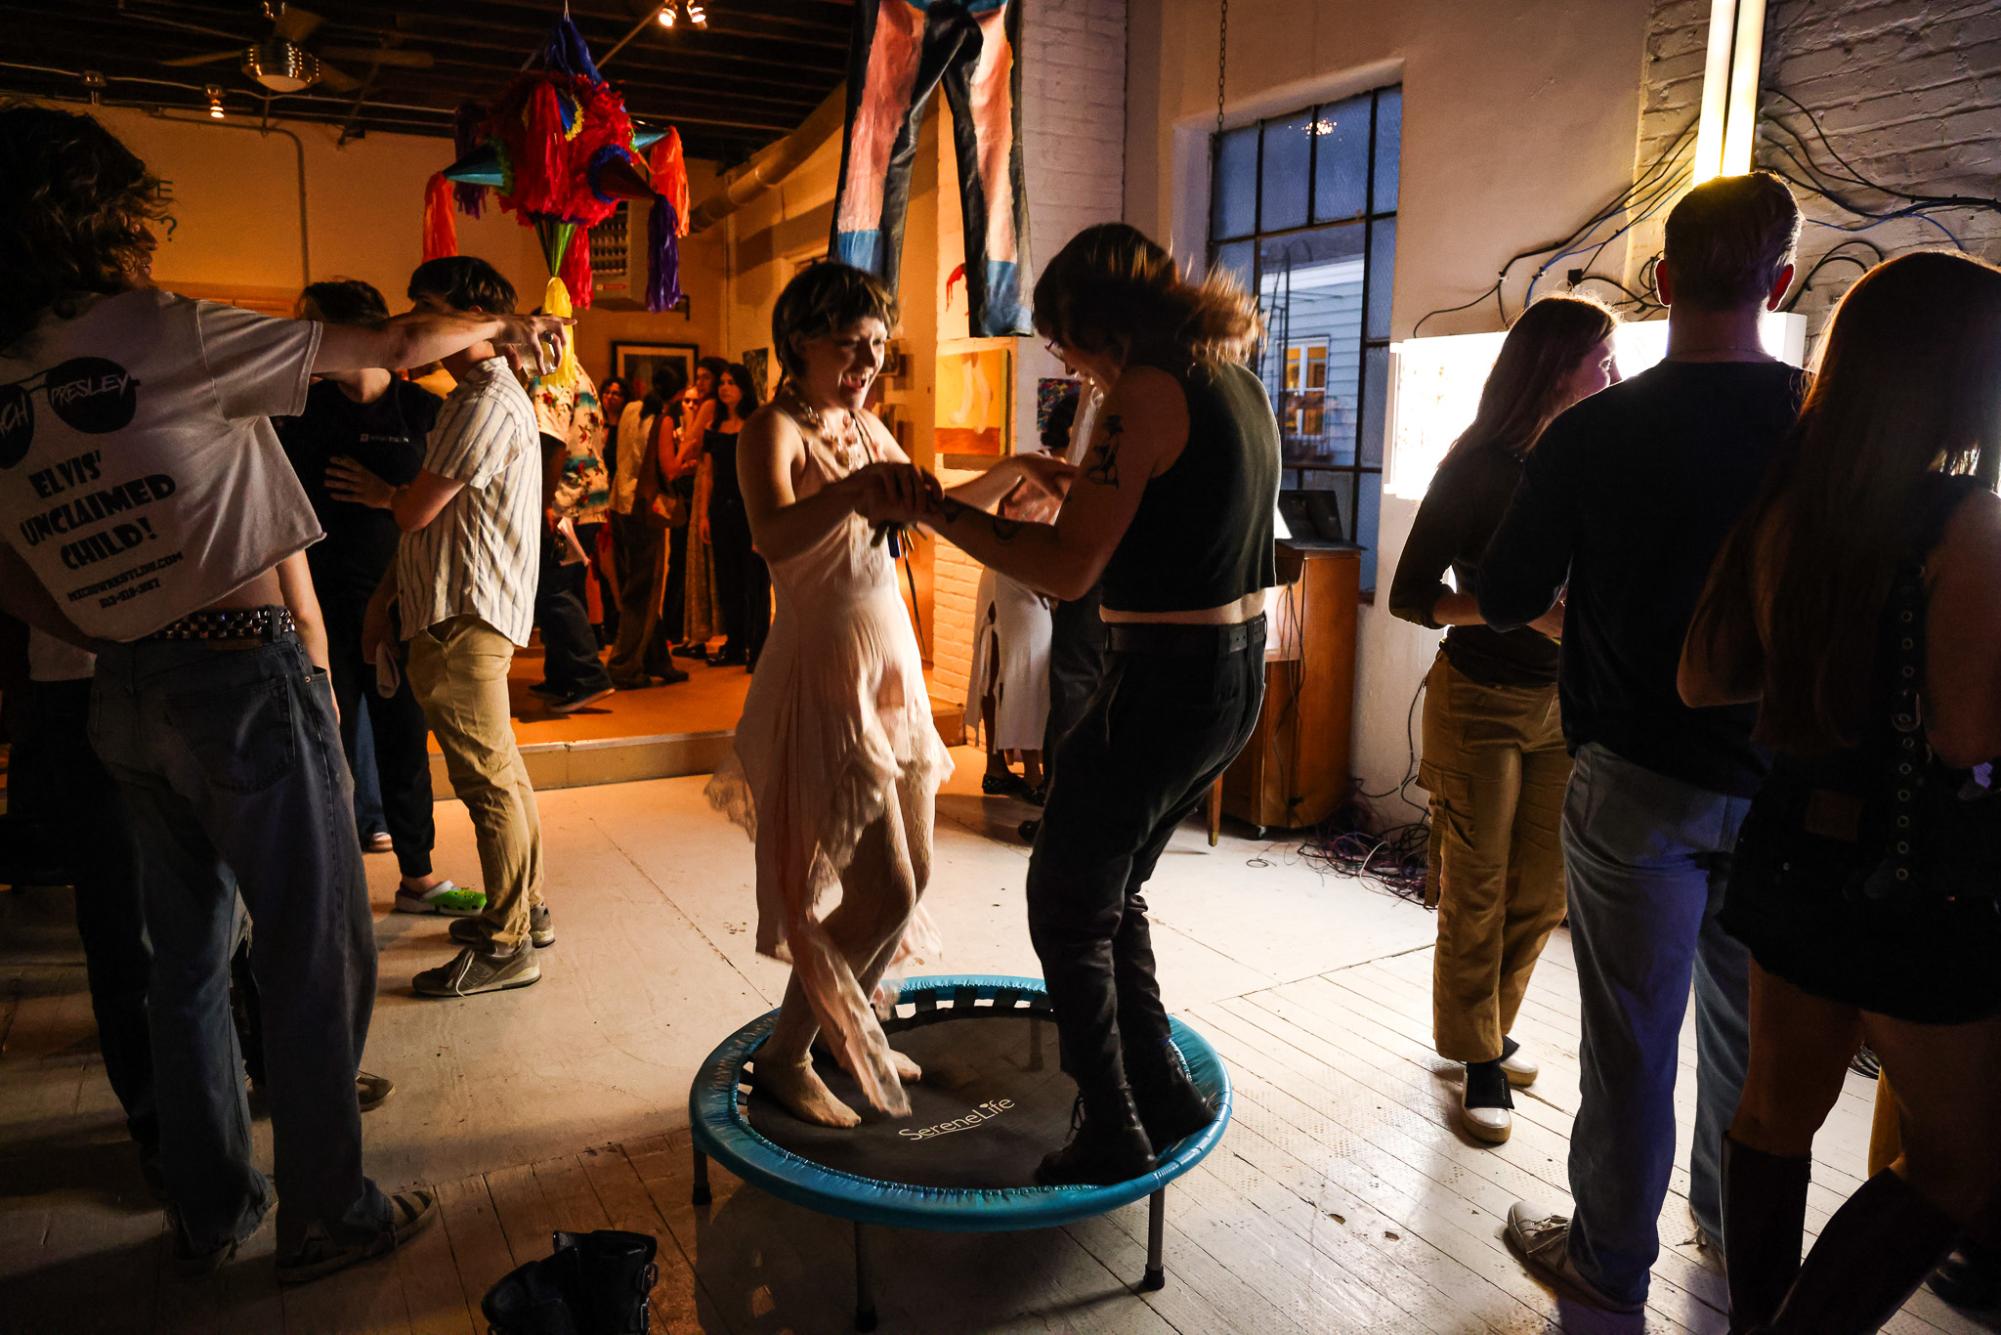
(1073,55)
(1909,92)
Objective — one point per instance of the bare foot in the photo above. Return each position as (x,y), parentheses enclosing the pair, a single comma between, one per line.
(805,1095)
(907,1071)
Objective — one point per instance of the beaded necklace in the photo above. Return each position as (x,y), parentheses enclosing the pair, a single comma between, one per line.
(849,450)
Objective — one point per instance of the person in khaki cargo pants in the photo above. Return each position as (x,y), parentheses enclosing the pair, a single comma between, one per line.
(1494,758)
(464,588)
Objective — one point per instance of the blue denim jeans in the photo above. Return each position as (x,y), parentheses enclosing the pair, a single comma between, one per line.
(1646,857)
(231,766)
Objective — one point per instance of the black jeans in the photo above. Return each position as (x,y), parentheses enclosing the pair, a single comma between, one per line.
(569,645)
(63,798)
(230,764)
(1076,661)
(1166,719)
(743,583)
(395,725)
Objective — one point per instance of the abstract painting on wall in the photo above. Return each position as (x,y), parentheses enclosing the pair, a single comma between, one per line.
(974,388)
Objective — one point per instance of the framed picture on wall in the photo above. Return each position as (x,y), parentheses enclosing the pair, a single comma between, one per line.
(638,361)
(972,408)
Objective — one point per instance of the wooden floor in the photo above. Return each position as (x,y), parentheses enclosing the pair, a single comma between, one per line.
(1340,1199)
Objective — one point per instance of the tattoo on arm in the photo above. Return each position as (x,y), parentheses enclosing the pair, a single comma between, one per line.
(1103,465)
(1004,529)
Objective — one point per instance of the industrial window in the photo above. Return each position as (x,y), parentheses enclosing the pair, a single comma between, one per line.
(1303,210)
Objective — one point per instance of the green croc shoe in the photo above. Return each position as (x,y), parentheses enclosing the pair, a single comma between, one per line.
(454,901)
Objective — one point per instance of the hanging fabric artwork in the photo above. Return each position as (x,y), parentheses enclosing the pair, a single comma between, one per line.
(901,51)
(559,152)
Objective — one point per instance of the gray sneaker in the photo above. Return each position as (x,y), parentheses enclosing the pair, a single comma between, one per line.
(472,972)
(541,929)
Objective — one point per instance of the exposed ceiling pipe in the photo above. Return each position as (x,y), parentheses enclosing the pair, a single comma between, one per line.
(772,163)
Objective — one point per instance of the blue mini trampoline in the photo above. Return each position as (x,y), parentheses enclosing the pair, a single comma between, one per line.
(992,1103)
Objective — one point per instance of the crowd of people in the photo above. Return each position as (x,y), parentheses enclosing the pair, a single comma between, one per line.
(1719,686)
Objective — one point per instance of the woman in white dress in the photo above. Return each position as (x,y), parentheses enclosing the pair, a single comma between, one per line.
(1009,692)
(837,761)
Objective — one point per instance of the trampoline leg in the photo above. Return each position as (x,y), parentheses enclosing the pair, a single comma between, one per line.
(1156,1234)
(701,1194)
(864,1289)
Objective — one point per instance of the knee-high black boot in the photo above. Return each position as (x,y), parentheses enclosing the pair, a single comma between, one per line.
(1869,1259)
(1764,1218)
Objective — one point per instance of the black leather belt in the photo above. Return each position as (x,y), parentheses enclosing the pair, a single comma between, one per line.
(1175,641)
(230,623)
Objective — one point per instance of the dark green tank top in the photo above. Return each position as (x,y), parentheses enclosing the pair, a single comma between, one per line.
(1203,533)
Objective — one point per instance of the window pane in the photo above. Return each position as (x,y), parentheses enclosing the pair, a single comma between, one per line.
(1233,208)
(1288,160)
(1375,389)
(1341,177)
(1237,258)
(1382,269)
(1310,294)
(1389,136)
(1371,494)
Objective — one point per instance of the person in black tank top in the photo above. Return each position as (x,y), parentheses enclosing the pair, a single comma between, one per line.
(743,583)
(1858,602)
(1173,507)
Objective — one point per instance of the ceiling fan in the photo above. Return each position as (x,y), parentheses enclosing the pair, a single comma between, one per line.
(281,62)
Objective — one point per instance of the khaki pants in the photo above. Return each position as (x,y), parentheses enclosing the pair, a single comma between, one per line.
(458,669)
(1495,765)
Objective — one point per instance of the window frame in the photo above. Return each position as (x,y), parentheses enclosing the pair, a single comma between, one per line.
(1366,465)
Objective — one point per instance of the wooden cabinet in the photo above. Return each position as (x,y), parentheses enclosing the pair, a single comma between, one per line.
(1296,768)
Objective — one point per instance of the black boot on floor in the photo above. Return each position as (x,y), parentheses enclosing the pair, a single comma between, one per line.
(1107,1144)
(1970,1278)
(1170,1107)
(615,1273)
(534,1299)
(1872,1255)
(1764,1219)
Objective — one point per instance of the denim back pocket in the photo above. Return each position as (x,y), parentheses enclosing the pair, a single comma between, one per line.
(244,738)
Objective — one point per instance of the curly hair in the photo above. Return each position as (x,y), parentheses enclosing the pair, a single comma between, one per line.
(74,218)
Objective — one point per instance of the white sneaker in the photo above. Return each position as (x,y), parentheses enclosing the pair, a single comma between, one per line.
(1543,1243)
(1491,1125)
(1520,1069)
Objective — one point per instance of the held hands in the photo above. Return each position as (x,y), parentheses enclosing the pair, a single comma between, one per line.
(896,493)
(347,480)
(1045,474)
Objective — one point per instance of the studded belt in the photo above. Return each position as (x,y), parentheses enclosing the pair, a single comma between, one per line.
(230,623)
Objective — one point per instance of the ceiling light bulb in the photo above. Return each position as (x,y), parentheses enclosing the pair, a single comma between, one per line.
(667,16)
(697,15)
(214,92)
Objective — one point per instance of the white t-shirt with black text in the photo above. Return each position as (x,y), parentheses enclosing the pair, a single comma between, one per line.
(140,477)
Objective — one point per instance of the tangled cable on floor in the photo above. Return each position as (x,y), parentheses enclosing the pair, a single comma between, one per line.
(1355,842)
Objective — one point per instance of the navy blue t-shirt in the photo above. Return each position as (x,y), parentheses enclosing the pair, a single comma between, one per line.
(387,438)
(1626,498)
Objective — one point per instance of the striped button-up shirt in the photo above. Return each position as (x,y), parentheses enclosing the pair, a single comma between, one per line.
(480,556)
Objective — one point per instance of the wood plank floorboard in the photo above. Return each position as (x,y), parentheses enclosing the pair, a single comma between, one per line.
(1343,1197)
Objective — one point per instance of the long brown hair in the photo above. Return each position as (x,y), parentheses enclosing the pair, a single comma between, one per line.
(1909,384)
(1526,390)
(1114,289)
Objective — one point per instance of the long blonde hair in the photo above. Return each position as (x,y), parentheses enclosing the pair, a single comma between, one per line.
(1114,289)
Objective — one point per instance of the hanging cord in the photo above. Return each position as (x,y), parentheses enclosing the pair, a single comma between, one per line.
(1222,62)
